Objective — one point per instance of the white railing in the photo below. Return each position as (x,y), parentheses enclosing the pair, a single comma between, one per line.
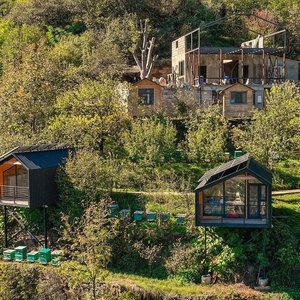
(13,193)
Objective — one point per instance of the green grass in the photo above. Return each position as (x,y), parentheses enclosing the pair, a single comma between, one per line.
(286,175)
(216,291)
(287,208)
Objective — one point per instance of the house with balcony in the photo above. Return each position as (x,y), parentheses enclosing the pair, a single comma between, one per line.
(28,175)
(238,77)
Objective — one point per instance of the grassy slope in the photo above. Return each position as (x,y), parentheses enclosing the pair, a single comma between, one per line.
(217,291)
(286,175)
(286,207)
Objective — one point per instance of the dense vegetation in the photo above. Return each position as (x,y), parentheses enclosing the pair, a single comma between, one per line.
(61,67)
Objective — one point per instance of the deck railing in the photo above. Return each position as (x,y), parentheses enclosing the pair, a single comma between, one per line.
(14,194)
(233,213)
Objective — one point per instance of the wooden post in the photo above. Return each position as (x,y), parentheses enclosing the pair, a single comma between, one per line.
(242,67)
(246,199)
(276,67)
(5,227)
(284,65)
(205,250)
(199,57)
(264,68)
(45,226)
(220,67)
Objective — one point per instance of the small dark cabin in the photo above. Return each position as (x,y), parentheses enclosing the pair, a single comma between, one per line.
(235,194)
(28,175)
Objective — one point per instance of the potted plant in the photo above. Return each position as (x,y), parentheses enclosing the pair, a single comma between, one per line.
(206,279)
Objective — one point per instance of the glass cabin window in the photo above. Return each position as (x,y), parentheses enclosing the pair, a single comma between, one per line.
(235,197)
(213,200)
(16,176)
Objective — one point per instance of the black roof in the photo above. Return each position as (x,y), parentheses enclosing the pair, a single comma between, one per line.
(233,167)
(39,156)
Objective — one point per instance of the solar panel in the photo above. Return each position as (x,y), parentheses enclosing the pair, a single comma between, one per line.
(224,167)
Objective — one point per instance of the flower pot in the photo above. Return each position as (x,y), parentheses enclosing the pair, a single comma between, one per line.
(263,281)
(206,279)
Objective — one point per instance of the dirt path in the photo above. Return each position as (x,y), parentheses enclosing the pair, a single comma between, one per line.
(286,192)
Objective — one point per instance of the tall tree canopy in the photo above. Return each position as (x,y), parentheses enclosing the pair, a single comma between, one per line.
(274,132)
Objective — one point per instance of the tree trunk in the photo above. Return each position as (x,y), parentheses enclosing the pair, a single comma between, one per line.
(146,60)
(94,286)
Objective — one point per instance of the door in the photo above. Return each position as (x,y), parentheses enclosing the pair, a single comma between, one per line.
(257,200)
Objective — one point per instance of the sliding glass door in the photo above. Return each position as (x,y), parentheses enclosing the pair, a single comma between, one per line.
(257,198)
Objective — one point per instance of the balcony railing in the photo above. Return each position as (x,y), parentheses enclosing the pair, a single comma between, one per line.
(14,194)
(233,213)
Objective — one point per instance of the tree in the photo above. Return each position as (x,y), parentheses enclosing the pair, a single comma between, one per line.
(89,116)
(150,253)
(28,91)
(206,136)
(40,12)
(273,132)
(147,58)
(89,239)
(150,141)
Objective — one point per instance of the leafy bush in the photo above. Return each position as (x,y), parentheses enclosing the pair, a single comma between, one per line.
(206,136)
(150,141)
(18,281)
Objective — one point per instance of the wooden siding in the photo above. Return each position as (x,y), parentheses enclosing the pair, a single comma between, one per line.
(158,97)
(237,110)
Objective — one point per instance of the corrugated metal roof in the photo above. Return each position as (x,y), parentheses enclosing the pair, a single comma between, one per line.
(232,167)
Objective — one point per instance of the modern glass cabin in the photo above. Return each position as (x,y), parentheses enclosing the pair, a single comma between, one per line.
(235,194)
(27,175)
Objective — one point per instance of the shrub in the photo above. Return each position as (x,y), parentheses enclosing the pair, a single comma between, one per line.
(150,141)
(18,281)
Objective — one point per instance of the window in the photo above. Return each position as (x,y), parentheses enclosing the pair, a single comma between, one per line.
(147,95)
(215,96)
(16,176)
(181,68)
(176,44)
(188,42)
(238,98)
(203,71)
(235,197)
(213,200)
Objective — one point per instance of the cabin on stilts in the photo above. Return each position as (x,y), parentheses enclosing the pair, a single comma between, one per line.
(27,175)
(28,179)
(235,194)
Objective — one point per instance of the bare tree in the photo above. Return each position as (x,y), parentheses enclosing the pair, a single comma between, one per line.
(147,58)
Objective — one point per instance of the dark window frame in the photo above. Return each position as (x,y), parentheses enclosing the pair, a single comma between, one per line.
(148,95)
(233,99)
(181,68)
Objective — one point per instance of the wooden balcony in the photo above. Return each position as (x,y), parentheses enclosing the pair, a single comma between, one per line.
(14,195)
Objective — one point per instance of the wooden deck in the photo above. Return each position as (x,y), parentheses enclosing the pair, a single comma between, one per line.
(14,202)
(236,221)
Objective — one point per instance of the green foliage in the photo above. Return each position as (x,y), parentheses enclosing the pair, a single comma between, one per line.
(206,136)
(95,110)
(89,239)
(150,141)
(28,91)
(272,135)
(183,263)
(18,282)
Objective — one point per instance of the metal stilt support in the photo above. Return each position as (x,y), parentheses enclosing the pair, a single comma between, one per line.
(46,225)
(5,228)
(205,249)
